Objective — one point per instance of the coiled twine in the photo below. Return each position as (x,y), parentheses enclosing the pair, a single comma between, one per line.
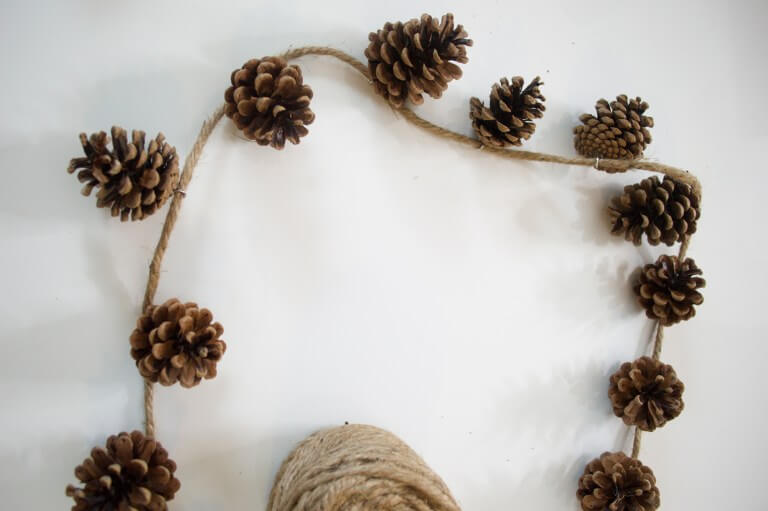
(360,468)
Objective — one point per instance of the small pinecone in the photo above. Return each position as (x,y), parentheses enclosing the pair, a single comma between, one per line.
(177,342)
(665,211)
(132,181)
(618,131)
(668,289)
(269,101)
(132,473)
(646,393)
(407,59)
(509,118)
(616,482)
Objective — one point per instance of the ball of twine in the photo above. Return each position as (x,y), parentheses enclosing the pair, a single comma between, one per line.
(357,467)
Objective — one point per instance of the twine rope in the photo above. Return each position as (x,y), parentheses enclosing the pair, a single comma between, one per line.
(357,467)
(601,164)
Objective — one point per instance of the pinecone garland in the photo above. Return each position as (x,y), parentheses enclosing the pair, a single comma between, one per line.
(665,211)
(509,118)
(616,482)
(133,473)
(415,57)
(668,289)
(269,101)
(646,393)
(132,181)
(177,342)
(619,130)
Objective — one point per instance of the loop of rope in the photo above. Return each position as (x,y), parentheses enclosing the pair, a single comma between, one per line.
(605,165)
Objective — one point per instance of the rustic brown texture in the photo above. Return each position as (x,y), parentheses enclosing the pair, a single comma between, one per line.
(357,467)
(618,130)
(177,341)
(665,211)
(269,101)
(509,118)
(668,289)
(415,57)
(131,180)
(646,393)
(616,482)
(133,473)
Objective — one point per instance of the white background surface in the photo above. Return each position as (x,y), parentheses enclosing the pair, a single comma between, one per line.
(374,273)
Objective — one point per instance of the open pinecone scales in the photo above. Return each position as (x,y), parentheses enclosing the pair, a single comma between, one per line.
(618,130)
(646,393)
(665,211)
(132,181)
(415,57)
(509,118)
(133,473)
(177,342)
(616,482)
(669,289)
(269,101)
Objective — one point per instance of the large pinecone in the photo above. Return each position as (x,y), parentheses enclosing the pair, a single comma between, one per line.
(668,289)
(408,59)
(269,101)
(646,393)
(619,130)
(616,482)
(132,473)
(177,342)
(133,181)
(509,118)
(665,211)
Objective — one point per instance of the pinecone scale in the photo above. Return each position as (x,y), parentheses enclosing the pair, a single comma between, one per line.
(177,342)
(269,101)
(406,60)
(618,130)
(646,393)
(132,473)
(665,212)
(509,118)
(132,180)
(669,289)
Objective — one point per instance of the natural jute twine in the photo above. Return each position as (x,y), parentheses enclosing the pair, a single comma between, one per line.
(357,467)
(358,439)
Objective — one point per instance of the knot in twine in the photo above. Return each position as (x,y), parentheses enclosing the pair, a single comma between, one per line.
(361,468)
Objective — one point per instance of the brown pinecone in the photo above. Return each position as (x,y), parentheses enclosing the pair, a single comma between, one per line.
(618,131)
(646,393)
(616,482)
(269,101)
(668,289)
(132,473)
(665,211)
(407,59)
(509,118)
(132,181)
(177,342)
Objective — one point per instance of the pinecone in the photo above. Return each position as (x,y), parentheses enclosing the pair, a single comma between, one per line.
(665,211)
(177,342)
(668,289)
(646,393)
(616,482)
(407,59)
(269,101)
(618,131)
(509,118)
(132,473)
(132,181)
